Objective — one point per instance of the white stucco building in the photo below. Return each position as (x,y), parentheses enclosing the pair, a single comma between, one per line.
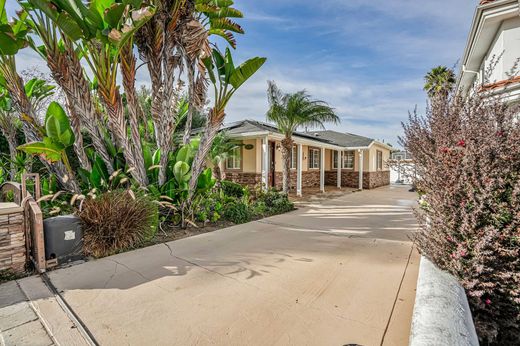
(494,40)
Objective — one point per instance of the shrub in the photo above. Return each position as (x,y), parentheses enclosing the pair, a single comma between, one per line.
(237,212)
(232,189)
(467,157)
(273,202)
(115,221)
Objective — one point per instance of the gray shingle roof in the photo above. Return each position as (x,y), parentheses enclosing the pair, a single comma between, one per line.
(330,137)
(344,139)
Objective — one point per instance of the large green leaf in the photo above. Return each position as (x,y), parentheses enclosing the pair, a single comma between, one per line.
(49,150)
(181,172)
(208,62)
(220,63)
(8,45)
(243,72)
(113,14)
(184,154)
(52,127)
(69,26)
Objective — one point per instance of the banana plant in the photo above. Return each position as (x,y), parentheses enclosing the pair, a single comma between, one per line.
(216,16)
(102,29)
(58,136)
(226,79)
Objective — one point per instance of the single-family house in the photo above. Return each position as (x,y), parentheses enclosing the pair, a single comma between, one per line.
(318,158)
(493,44)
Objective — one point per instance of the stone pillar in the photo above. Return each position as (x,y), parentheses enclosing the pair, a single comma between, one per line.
(340,167)
(12,238)
(299,171)
(265,162)
(360,167)
(322,170)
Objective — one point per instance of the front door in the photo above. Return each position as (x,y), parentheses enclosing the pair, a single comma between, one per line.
(272,165)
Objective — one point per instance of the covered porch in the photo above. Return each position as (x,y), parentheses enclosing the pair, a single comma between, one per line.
(314,162)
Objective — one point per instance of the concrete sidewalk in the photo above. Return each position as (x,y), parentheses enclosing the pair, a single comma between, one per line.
(31,315)
(339,272)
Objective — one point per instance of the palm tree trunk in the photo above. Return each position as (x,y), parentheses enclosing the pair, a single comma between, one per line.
(79,148)
(67,71)
(30,122)
(191,104)
(218,172)
(117,124)
(287,144)
(199,162)
(134,108)
(11,140)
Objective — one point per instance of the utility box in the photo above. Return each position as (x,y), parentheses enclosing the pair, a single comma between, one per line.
(63,238)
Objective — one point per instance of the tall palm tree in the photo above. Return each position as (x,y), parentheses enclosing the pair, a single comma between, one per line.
(439,81)
(290,111)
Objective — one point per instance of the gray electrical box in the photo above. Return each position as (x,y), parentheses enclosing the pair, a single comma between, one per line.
(63,238)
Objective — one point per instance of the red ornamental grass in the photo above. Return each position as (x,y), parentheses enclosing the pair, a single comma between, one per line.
(471,226)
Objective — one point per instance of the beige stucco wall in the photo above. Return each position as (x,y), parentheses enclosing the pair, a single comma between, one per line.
(252,159)
(372,156)
(249,156)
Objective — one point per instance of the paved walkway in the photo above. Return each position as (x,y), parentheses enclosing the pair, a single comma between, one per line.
(31,315)
(339,272)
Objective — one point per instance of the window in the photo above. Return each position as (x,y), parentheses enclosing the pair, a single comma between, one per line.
(314,158)
(233,161)
(294,157)
(348,160)
(379,160)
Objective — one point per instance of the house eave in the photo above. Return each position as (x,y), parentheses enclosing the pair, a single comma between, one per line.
(486,21)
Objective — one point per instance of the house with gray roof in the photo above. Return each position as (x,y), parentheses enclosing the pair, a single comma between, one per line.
(314,158)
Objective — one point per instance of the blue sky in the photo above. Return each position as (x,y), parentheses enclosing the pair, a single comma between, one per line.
(366,58)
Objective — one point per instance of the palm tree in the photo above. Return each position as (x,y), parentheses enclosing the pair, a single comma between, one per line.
(439,81)
(290,111)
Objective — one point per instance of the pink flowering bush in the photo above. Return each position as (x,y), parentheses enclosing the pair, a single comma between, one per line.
(467,156)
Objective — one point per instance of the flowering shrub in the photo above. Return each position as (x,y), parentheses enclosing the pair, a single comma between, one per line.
(467,156)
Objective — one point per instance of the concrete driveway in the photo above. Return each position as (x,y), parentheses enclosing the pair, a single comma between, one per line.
(341,272)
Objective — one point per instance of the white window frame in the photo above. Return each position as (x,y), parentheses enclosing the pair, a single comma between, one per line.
(294,157)
(314,154)
(234,161)
(379,160)
(345,161)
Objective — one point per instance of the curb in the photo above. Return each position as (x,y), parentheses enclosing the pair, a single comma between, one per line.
(441,314)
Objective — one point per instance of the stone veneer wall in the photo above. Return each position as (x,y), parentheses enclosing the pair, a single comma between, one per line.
(309,178)
(12,238)
(371,180)
(247,179)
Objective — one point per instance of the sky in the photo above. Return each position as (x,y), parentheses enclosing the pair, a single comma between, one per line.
(366,58)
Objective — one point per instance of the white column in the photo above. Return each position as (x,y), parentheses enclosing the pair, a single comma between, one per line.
(322,170)
(340,166)
(299,171)
(360,167)
(265,162)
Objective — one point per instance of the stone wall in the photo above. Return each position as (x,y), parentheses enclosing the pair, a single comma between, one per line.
(371,180)
(12,238)
(309,179)
(246,179)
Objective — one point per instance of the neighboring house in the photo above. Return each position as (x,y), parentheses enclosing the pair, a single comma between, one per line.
(314,160)
(401,155)
(402,167)
(494,40)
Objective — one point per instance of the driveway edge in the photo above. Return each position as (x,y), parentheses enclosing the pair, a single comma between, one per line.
(441,314)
